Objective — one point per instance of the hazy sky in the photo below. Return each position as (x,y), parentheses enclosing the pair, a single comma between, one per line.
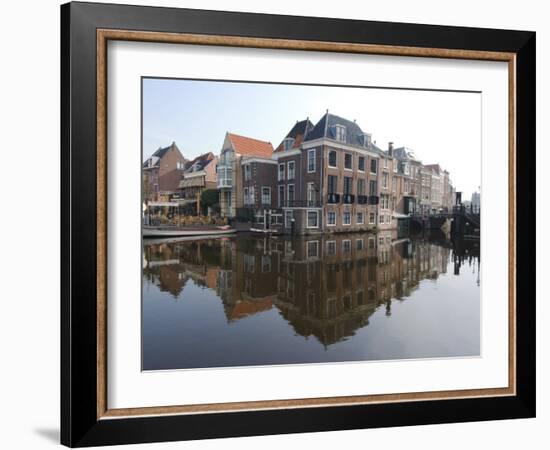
(441,127)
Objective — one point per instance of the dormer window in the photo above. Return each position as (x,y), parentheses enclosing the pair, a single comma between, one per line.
(288,143)
(366,139)
(340,133)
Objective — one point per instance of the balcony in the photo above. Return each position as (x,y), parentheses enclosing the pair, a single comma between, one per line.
(333,198)
(362,199)
(374,199)
(348,198)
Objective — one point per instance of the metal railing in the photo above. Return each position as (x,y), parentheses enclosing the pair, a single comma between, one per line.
(351,198)
(374,199)
(348,198)
(333,198)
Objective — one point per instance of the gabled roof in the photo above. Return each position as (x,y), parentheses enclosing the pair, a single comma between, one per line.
(162,151)
(298,132)
(199,163)
(250,147)
(325,128)
(159,154)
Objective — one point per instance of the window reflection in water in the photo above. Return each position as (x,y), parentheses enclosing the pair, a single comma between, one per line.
(324,288)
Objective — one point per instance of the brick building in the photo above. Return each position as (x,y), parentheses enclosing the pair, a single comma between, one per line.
(327,177)
(161,174)
(240,153)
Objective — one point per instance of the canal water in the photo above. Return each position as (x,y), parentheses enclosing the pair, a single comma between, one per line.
(254,300)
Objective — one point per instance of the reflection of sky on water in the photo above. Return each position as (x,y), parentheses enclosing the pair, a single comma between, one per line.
(245,302)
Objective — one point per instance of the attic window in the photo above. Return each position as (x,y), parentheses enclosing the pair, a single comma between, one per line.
(366,139)
(340,133)
(288,143)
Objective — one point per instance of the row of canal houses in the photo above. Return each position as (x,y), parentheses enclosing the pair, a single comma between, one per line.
(327,177)
(324,177)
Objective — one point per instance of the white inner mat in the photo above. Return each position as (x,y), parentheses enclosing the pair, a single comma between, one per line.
(128,386)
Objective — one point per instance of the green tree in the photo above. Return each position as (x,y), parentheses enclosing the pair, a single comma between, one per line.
(209,198)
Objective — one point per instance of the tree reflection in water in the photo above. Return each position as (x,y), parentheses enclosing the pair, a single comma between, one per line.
(325,287)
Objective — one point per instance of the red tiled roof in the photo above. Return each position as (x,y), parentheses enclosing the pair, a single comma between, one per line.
(251,147)
(248,308)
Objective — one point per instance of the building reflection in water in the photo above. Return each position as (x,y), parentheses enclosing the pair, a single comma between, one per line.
(327,287)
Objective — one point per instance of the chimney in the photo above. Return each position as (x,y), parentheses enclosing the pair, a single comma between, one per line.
(390,149)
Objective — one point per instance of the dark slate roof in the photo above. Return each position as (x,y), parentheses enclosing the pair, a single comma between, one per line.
(404,154)
(300,128)
(297,132)
(162,151)
(325,128)
(159,154)
(199,163)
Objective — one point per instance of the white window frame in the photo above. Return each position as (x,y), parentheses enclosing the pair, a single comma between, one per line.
(281,200)
(289,163)
(262,192)
(245,196)
(307,218)
(329,223)
(289,215)
(381,219)
(328,161)
(362,218)
(370,166)
(310,192)
(288,143)
(288,193)
(364,162)
(373,216)
(344,218)
(351,159)
(340,133)
(313,152)
(333,245)
(362,244)
(362,182)
(247,172)
(281,176)
(385,179)
(344,242)
(316,249)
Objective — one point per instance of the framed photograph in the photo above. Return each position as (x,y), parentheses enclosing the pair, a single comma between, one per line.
(276,224)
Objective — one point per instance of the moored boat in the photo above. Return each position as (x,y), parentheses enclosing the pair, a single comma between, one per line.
(155,232)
